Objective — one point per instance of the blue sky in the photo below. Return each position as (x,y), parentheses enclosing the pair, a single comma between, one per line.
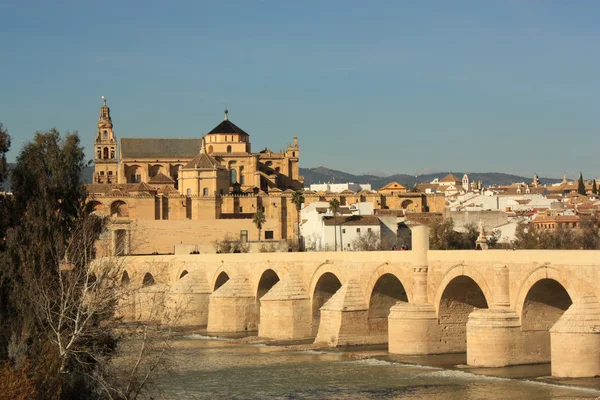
(391,86)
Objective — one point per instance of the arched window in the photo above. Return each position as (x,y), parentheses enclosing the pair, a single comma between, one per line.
(119,209)
(112,154)
(210,149)
(233,176)
(229,149)
(242,180)
(106,152)
(105,134)
(99,155)
(269,164)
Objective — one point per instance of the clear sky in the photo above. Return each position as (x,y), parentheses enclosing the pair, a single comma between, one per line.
(395,86)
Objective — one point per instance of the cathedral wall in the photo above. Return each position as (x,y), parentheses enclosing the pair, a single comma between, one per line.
(149,236)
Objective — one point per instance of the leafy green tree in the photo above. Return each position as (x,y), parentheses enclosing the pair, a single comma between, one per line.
(334,206)
(581,185)
(259,219)
(298,200)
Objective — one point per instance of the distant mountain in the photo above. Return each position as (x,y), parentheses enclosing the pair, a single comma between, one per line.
(326,175)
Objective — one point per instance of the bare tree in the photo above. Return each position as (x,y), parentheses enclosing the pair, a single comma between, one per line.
(367,241)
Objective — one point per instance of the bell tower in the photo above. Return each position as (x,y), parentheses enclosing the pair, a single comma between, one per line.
(105,148)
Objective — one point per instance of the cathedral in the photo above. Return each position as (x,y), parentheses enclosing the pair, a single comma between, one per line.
(167,195)
(219,163)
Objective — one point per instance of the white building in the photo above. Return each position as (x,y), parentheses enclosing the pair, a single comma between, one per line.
(340,187)
(317,228)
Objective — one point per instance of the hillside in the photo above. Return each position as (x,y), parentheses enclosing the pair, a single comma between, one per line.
(324,175)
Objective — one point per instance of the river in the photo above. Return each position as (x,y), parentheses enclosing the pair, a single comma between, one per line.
(205,367)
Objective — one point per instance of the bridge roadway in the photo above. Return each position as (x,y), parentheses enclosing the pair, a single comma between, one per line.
(502,307)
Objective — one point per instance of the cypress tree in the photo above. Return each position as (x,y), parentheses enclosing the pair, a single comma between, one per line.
(581,185)
(594,187)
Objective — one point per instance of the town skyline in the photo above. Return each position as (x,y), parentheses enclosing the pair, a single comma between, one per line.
(462,86)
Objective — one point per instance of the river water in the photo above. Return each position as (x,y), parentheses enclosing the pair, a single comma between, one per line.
(211,368)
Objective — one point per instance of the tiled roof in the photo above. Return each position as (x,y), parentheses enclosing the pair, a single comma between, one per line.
(228,127)
(160,179)
(168,190)
(393,185)
(352,220)
(142,187)
(159,148)
(103,188)
(424,218)
(392,212)
(204,161)
(450,178)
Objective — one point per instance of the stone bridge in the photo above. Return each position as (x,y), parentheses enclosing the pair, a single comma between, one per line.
(502,307)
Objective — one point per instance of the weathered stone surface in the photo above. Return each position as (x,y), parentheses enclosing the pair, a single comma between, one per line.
(575,340)
(233,307)
(536,287)
(493,338)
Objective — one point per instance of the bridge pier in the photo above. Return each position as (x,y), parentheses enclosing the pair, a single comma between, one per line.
(494,337)
(285,311)
(187,302)
(232,307)
(125,308)
(150,303)
(344,318)
(575,340)
(413,327)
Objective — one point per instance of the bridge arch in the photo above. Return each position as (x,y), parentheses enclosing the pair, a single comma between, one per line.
(457,271)
(220,280)
(221,275)
(322,269)
(125,278)
(542,300)
(267,280)
(148,280)
(326,282)
(395,270)
(539,274)
(460,292)
(387,291)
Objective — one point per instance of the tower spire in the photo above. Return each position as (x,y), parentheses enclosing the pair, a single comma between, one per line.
(226,112)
